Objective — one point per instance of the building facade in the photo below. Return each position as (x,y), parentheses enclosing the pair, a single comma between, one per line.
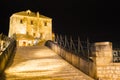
(30,28)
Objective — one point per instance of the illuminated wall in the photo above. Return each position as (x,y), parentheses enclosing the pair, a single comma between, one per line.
(31,24)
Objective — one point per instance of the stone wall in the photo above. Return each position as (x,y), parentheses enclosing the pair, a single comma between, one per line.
(109,72)
(7,54)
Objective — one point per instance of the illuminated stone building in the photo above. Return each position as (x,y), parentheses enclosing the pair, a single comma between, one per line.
(30,28)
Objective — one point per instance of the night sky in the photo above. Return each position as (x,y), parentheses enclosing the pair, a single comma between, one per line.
(99,20)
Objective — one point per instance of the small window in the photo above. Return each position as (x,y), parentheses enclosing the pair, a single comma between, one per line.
(21,21)
(34,34)
(45,23)
(31,22)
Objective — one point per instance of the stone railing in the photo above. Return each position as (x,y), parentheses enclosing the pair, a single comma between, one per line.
(100,66)
(7,52)
(84,64)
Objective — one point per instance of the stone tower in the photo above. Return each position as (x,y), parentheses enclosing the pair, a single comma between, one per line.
(30,27)
(102,57)
(102,54)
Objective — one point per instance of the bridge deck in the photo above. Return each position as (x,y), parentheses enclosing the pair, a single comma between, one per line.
(41,63)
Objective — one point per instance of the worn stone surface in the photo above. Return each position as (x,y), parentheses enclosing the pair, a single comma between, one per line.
(41,63)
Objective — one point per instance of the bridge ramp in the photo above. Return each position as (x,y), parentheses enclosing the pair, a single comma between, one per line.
(41,63)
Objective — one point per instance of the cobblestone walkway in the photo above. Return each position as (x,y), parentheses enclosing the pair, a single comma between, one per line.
(41,63)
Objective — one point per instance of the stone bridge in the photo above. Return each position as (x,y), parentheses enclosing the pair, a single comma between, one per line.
(40,63)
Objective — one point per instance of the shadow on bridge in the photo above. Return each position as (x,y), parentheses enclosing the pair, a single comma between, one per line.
(9,63)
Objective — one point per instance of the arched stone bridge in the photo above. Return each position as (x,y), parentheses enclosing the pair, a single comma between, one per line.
(41,63)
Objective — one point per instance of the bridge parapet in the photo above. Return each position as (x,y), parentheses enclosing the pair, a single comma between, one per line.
(7,48)
(101,67)
(84,64)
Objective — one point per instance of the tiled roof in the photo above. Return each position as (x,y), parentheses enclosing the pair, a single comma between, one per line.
(31,14)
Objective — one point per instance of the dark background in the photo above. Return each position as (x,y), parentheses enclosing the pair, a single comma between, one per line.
(97,20)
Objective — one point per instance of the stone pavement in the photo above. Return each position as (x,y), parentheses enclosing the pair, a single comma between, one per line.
(41,63)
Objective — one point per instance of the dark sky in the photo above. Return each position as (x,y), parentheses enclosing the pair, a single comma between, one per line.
(95,19)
